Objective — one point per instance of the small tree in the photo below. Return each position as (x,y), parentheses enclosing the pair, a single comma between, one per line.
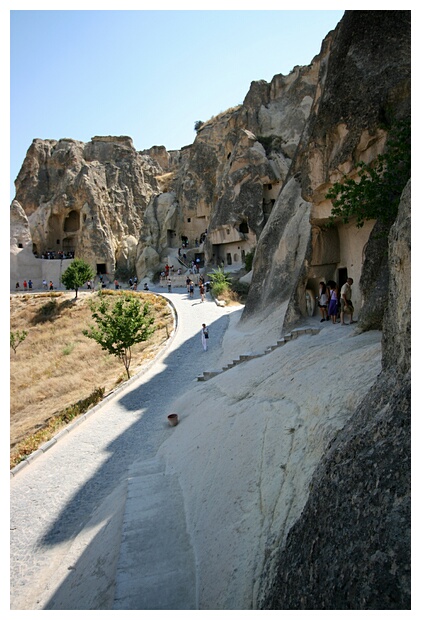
(198,125)
(77,274)
(16,338)
(120,326)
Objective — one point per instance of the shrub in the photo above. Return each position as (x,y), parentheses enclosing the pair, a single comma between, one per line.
(220,282)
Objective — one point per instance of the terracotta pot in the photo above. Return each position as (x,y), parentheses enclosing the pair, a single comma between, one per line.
(173,419)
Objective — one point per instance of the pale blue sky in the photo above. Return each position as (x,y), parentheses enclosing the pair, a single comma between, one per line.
(146,74)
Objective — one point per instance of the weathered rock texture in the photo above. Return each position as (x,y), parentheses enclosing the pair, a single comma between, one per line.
(87,198)
(256,178)
(125,211)
(350,549)
(363,85)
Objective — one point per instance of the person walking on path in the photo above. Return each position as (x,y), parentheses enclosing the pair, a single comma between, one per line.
(169,285)
(202,291)
(205,336)
(346,303)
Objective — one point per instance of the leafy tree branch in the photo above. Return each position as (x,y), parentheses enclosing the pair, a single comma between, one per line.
(375,195)
(16,338)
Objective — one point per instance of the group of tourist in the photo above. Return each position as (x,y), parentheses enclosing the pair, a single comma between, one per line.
(334,304)
(203,287)
(50,255)
(28,285)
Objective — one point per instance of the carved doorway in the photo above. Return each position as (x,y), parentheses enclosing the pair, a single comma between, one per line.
(342,277)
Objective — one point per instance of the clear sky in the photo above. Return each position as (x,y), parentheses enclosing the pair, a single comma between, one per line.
(146,74)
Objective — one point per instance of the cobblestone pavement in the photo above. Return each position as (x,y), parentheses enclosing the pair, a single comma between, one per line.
(57,502)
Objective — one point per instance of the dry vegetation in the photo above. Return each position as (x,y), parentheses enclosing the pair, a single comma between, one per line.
(56,365)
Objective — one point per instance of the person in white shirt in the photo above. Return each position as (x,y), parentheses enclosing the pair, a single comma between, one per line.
(346,303)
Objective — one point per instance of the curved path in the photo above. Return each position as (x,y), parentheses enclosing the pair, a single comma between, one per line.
(71,512)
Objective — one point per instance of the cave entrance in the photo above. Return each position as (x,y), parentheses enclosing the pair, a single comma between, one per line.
(101,269)
(171,238)
(342,276)
(72,222)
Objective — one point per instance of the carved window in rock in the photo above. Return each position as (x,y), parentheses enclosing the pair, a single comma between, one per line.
(72,222)
(243,228)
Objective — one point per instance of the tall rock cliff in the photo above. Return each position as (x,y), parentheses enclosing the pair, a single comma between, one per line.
(350,548)
(363,87)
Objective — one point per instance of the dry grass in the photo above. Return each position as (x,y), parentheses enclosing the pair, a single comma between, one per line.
(57,366)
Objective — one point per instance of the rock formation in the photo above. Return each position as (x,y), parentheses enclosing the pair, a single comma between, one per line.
(86,199)
(350,549)
(124,211)
(357,100)
(256,178)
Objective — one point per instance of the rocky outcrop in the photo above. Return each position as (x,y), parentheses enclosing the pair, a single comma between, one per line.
(354,107)
(350,549)
(87,199)
(125,211)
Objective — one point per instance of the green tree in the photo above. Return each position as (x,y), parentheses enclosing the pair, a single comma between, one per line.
(16,338)
(221,281)
(120,325)
(376,193)
(77,274)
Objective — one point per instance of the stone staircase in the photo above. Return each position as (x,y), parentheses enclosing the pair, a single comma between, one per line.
(156,568)
(295,333)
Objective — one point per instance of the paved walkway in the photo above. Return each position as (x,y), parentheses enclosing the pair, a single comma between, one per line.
(76,510)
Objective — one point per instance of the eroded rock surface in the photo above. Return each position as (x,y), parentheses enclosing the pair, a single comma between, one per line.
(350,548)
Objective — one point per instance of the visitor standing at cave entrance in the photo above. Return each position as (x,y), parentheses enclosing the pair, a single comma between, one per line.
(346,303)
(323,301)
(334,301)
